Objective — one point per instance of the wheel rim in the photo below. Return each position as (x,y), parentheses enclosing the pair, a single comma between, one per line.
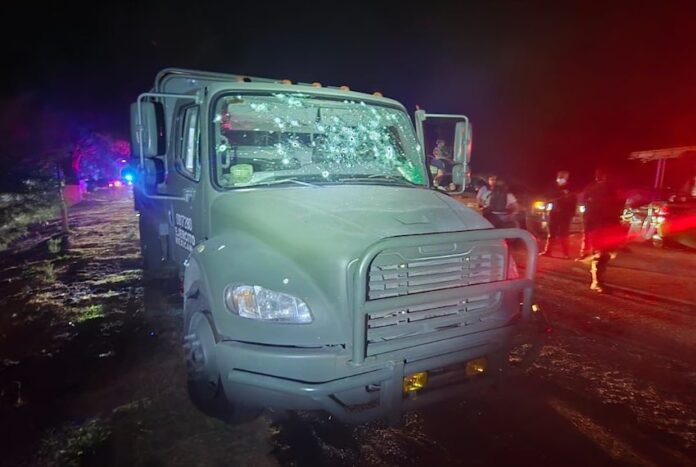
(201,364)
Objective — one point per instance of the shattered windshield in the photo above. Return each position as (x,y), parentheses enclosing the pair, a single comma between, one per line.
(275,138)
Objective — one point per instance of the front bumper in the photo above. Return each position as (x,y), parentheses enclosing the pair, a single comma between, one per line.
(374,389)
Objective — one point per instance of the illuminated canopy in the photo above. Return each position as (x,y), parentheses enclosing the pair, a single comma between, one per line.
(660,154)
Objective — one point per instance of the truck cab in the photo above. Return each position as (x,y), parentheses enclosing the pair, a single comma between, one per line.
(321,270)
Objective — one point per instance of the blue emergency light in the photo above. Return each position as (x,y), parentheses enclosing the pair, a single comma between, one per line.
(128,175)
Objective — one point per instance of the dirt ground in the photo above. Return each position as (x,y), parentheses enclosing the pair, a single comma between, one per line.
(91,372)
(91,368)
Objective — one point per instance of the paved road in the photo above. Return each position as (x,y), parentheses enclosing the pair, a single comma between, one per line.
(91,372)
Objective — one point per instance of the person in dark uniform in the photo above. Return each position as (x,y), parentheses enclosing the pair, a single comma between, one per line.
(563,204)
(605,234)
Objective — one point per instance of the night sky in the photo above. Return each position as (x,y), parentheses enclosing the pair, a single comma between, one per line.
(547,85)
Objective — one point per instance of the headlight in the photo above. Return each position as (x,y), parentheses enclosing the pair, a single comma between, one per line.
(539,205)
(549,207)
(255,302)
(581,208)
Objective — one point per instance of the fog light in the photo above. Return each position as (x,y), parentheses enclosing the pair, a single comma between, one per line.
(415,382)
(476,367)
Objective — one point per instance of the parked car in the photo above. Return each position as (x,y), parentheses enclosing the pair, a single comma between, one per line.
(669,222)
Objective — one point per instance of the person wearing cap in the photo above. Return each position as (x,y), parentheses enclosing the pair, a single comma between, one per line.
(562,204)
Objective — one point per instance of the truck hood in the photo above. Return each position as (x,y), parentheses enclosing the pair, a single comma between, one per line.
(304,240)
(342,220)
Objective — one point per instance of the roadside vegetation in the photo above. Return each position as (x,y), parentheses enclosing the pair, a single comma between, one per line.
(29,205)
(19,213)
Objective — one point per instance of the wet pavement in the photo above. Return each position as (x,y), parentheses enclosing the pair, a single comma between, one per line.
(91,371)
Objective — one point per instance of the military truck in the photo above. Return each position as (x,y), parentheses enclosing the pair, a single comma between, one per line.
(320,268)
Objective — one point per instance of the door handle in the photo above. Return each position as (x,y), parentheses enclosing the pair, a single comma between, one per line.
(188,193)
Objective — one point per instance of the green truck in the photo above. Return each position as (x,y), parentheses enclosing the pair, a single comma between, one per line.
(320,268)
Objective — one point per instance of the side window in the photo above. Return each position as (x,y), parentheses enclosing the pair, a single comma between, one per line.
(188,156)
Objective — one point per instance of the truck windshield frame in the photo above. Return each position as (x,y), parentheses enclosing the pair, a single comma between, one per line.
(260,139)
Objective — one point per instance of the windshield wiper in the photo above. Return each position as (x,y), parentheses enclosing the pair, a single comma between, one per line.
(294,180)
(377,178)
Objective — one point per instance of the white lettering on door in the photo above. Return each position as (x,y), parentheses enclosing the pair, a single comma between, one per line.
(183,235)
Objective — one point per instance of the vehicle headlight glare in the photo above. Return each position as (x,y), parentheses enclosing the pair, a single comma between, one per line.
(256,302)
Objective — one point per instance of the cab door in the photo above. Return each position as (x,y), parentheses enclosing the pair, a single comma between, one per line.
(446,142)
(184,181)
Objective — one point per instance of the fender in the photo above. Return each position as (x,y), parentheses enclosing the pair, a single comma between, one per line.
(233,259)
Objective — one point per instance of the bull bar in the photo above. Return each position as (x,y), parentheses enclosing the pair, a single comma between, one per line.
(363,307)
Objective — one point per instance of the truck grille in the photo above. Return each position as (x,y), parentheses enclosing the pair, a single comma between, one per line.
(421,269)
(429,268)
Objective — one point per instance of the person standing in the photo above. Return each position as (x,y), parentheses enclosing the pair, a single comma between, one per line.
(602,226)
(484,192)
(501,206)
(563,204)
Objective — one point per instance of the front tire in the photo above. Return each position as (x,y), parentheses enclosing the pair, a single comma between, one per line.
(204,382)
(203,378)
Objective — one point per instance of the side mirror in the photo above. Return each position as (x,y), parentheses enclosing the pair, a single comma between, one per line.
(145,129)
(153,174)
(462,154)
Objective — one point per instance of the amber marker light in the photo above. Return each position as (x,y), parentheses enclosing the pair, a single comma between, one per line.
(415,382)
